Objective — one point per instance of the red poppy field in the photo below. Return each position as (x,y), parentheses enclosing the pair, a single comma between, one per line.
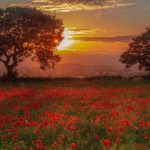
(75,117)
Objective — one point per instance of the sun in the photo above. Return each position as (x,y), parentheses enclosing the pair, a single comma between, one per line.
(67,41)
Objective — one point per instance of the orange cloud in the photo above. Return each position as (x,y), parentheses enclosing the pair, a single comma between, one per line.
(72,5)
(77,5)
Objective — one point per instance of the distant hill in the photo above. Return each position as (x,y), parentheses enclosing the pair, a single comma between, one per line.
(75,70)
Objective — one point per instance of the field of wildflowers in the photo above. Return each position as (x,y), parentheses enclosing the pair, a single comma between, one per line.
(82,118)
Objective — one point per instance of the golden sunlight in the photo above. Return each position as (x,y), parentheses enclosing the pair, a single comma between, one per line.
(67,41)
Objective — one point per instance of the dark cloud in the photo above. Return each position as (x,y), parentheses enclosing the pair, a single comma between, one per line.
(105,39)
(85,2)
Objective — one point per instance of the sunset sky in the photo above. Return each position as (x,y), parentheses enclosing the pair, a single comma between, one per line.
(96,31)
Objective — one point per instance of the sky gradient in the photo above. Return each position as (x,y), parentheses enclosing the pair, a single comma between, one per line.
(96,31)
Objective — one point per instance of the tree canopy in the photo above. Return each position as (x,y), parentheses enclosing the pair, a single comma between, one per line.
(138,52)
(27,32)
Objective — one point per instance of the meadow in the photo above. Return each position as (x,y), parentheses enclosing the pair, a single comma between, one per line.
(75,114)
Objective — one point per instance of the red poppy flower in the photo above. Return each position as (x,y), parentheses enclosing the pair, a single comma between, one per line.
(106,142)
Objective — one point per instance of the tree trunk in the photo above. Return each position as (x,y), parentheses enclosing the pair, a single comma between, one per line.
(11,74)
(10,62)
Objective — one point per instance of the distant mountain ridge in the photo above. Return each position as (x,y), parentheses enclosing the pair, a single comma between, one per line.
(76,70)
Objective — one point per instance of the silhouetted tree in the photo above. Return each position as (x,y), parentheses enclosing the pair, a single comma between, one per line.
(27,32)
(138,52)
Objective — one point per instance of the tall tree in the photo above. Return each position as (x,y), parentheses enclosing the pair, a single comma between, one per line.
(138,52)
(27,32)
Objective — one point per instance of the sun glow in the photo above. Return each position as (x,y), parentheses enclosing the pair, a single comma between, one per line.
(67,41)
